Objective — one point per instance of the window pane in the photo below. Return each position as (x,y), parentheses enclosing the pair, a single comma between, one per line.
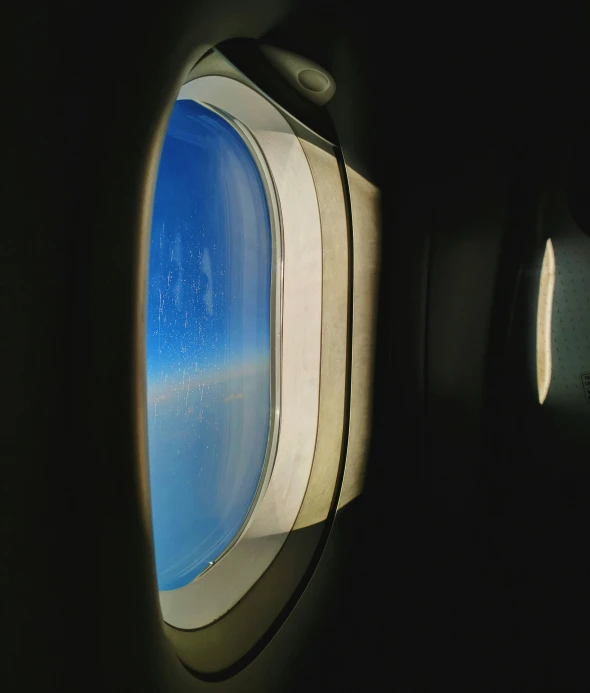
(208,341)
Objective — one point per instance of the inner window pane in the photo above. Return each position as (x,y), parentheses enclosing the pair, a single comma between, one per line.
(208,341)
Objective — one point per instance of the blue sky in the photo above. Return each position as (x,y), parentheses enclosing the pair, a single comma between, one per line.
(208,341)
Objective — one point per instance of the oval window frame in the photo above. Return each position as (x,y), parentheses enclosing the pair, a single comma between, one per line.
(350,225)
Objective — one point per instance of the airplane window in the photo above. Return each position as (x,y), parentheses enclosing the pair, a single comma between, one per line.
(208,342)
(544,316)
(234,346)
